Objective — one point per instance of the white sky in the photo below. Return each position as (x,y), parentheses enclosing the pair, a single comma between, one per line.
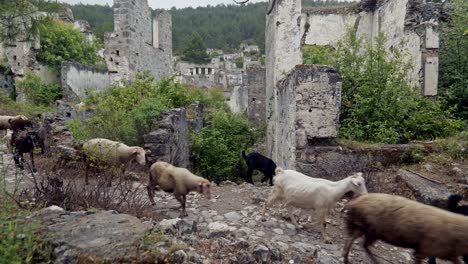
(166,4)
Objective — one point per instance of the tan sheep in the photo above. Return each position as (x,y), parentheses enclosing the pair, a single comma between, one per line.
(179,181)
(5,120)
(112,153)
(428,230)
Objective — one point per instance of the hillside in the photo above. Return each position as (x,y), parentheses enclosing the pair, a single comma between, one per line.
(222,26)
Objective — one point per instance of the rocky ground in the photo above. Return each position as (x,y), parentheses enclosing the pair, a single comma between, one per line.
(226,229)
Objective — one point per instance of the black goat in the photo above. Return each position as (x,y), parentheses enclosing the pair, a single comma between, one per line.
(256,161)
(22,142)
(452,205)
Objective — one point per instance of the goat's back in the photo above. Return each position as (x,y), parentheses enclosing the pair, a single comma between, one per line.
(410,224)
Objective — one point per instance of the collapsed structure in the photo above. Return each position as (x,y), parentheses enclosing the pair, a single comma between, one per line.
(302,107)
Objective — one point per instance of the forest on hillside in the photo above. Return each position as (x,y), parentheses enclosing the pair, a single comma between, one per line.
(221,27)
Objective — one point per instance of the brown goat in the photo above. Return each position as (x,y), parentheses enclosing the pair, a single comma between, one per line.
(178,181)
(428,230)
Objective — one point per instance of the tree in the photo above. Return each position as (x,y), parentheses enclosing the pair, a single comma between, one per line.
(61,42)
(453,71)
(19,19)
(195,50)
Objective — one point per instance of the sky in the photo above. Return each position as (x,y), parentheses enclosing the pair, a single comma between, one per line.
(166,4)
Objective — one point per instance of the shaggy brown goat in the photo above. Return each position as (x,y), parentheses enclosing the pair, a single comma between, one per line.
(428,230)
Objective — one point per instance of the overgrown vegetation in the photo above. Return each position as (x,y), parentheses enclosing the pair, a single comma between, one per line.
(127,113)
(9,107)
(217,147)
(18,18)
(317,54)
(61,42)
(18,241)
(37,92)
(379,104)
(453,69)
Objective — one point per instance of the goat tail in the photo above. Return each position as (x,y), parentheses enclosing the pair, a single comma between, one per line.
(279,170)
(453,200)
(243,155)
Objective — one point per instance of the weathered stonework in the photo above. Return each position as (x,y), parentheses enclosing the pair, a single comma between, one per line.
(6,80)
(78,79)
(283,53)
(255,81)
(309,100)
(139,43)
(411,22)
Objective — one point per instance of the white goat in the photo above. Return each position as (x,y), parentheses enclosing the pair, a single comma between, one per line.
(301,191)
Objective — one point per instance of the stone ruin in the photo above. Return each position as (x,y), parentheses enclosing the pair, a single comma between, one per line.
(139,43)
(302,102)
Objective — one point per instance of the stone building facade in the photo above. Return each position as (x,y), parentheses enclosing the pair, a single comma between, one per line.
(289,27)
(411,22)
(139,41)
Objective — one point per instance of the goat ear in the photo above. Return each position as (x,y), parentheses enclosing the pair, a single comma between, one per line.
(355,181)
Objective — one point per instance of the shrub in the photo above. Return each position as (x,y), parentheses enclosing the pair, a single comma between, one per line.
(456,146)
(126,113)
(378,102)
(38,92)
(239,61)
(61,42)
(10,107)
(217,147)
(317,54)
(18,240)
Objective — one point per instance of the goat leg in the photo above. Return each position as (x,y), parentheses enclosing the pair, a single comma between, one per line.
(182,198)
(249,176)
(269,202)
(31,155)
(367,243)
(348,245)
(291,215)
(150,190)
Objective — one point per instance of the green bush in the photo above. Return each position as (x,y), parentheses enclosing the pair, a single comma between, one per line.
(18,240)
(126,113)
(61,42)
(317,54)
(239,61)
(456,146)
(39,93)
(217,147)
(10,107)
(378,102)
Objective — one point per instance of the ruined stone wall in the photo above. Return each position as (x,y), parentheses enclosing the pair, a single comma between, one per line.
(78,79)
(6,81)
(255,80)
(131,48)
(411,22)
(309,100)
(283,53)
(171,141)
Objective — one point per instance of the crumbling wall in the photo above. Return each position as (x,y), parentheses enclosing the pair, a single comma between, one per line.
(133,46)
(411,22)
(6,80)
(78,79)
(283,53)
(171,141)
(255,80)
(309,101)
